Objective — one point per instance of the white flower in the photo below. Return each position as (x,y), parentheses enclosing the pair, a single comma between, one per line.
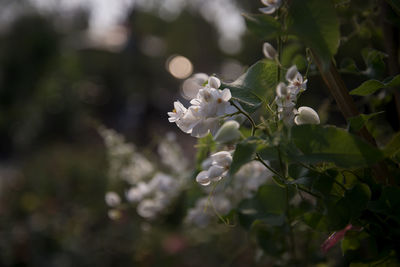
(148,208)
(137,193)
(202,117)
(306,115)
(269,51)
(191,86)
(220,163)
(177,113)
(112,199)
(295,79)
(284,98)
(214,82)
(228,132)
(271,6)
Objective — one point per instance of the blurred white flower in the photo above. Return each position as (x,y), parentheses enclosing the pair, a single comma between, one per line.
(269,51)
(191,86)
(271,6)
(220,163)
(204,212)
(306,115)
(112,199)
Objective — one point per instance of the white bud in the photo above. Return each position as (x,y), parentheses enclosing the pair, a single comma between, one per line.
(281,90)
(291,73)
(269,51)
(202,178)
(306,115)
(214,82)
(112,199)
(228,132)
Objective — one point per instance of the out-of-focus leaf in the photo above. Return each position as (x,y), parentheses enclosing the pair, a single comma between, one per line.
(357,122)
(204,146)
(243,154)
(331,144)
(255,85)
(395,4)
(374,60)
(315,22)
(262,25)
(371,86)
(393,146)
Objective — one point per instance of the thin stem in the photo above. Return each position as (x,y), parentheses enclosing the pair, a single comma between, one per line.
(253,124)
(291,236)
(258,157)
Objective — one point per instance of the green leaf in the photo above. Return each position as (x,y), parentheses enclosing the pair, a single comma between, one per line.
(204,146)
(316,24)
(357,122)
(331,144)
(374,60)
(268,205)
(371,86)
(393,146)
(243,154)
(262,25)
(355,201)
(395,5)
(258,83)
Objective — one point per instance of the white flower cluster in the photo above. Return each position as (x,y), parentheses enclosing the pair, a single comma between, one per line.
(286,98)
(207,108)
(227,194)
(215,168)
(152,193)
(125,162)
(154,197)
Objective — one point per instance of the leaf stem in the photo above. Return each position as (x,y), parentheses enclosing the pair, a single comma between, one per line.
(253,124)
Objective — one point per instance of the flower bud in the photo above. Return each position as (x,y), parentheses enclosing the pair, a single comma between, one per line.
(306,115)
(269,51)
(214,82)
(228,132)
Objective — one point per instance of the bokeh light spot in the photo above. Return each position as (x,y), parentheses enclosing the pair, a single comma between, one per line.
(179,66)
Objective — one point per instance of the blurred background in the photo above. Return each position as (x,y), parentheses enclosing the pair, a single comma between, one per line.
(68,66)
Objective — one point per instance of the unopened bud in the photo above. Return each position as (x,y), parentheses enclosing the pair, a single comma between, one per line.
(306,115)
(214,82)
(228,132)
(269,51)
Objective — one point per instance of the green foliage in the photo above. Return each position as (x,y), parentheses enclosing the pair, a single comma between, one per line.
(262,25)
(315,23)
(332,144)
(243,154)
(357,122)
(371,86)
(393,146)
(256,85)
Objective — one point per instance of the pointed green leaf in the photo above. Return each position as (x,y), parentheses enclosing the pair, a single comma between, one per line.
(331,144)
(243,154)
(316,24)
(393,146)
(262,25)
(255,85)
(371,86)
(357,122)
